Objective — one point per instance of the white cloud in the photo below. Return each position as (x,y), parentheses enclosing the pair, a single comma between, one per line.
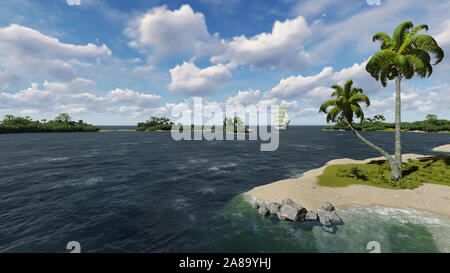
(244,97)
(443,36)
(315,89)
(8,79)
(188,79)
(76,85)
(168,32)
(142,71)
(280,49)
(25,50)
(295,86)
(73,2)
(58,97)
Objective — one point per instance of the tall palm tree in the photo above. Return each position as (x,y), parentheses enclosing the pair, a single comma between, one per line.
(405,54)
(345,106)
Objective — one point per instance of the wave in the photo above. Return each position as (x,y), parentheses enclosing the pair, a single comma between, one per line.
(78,182)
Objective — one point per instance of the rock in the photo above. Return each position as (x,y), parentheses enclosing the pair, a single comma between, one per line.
(311,216)
(255,205)
(274,208)
(280,217)
(329,229)
(325,220)
(292,211)
(334,217)
(263,211)
(327,206)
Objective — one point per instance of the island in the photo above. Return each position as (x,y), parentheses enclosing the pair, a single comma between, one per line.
(230,124)
(328,184)
(155,124)
(431,124)
(62,123)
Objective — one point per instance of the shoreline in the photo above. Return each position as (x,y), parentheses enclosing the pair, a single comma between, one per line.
(305,191)
(388,130)
(442,148)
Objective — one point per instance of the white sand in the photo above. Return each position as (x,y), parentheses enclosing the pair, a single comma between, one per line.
(442,148)
(305,191)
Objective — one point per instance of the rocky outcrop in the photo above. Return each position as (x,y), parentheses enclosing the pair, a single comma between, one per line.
(263,211)
(327,216)
(292,211)
(327,206)
(311,216)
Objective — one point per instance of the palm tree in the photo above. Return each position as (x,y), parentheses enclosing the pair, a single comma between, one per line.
(345,106)
(400,57)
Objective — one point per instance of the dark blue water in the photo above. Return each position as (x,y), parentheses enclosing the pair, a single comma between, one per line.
(144,192)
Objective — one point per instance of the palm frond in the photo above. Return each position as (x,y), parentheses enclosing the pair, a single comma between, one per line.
(323,108)
(347,87)
(333,114)
(399,34)
(385,39)
(427,43)
(357,98)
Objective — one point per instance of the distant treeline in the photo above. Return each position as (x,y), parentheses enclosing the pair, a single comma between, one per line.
(431,124)
(62,123)
(164,124)
(154,124)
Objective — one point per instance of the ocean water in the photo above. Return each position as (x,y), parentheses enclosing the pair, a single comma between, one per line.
(144,192)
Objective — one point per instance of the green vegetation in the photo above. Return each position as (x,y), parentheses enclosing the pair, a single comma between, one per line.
(234,124)
(154,124)
(376,173)
(401,56)
(62,123)
(431,124)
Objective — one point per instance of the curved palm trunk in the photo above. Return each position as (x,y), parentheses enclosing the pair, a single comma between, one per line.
(391,160)
(398,140)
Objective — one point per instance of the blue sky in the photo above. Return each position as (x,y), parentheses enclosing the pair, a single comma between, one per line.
(118,62)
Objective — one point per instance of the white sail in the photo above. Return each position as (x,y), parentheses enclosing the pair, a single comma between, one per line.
(282,118)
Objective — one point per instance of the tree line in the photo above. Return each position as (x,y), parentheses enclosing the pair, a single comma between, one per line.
(430,124)
(62,123)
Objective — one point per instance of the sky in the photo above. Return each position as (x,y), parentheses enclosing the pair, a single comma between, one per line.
(114,62)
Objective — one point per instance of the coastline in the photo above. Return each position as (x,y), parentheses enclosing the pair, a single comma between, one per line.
(442,148)
(390,130)
(306,192)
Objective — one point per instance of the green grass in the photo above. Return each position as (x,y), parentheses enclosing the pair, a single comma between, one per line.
(377,173)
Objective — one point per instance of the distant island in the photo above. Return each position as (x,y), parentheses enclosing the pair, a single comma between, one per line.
(430,124)
(155,124)
(234,124)
(62,123)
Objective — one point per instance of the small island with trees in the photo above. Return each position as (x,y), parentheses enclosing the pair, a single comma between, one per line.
(62,123)
(230,124)
(431,124)
(155,124)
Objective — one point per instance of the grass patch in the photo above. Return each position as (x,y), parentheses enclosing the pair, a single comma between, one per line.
(377,173)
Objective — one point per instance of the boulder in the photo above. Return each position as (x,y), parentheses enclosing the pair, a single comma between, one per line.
(280,217)
(311,216)
(255,205)
(325,220)
(263,211)
(291,211)
(334,217)
(327,206)
(274,207)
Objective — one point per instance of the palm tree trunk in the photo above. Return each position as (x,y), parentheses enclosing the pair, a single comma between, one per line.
(391,160)
(398,140)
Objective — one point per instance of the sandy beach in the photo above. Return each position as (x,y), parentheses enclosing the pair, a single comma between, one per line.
(442,148)
(305,191)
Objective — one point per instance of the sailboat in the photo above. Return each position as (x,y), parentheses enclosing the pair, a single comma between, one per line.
(282,118)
